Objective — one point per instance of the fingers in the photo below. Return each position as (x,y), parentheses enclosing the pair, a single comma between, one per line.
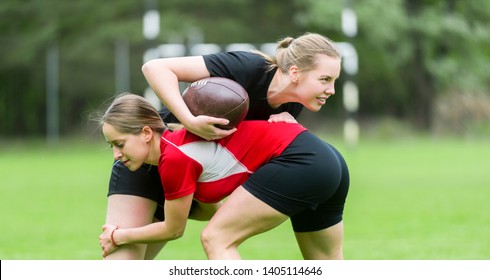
(217,121)
(221,133)
(204,126)
(108,227)
(105,240)
(282,117)
(217,133)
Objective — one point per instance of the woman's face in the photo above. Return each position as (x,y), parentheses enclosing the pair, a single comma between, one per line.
(314,87)
(131,150)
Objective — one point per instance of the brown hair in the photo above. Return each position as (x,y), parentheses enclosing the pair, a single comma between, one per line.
(301,51)
(129,113)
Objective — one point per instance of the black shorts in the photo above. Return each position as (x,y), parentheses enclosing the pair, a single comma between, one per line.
(308,182)
(144,182)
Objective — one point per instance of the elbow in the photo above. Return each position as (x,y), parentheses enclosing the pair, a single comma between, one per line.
(152,65)
(146,67)
(176,234)
(179,234)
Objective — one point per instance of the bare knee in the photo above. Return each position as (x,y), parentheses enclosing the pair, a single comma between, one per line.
(209,240)
(219,245)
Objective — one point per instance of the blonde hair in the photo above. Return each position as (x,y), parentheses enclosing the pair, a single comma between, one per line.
(129,113)
(301,51)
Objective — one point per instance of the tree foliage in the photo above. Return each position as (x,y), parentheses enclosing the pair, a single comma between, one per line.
(410,51)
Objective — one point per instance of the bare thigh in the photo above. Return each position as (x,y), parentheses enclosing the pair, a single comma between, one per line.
(239,218)
(128,211)
(322,244)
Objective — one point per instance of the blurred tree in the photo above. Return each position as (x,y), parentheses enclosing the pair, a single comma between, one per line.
(409,50)
(230,21)
(86,32)
(412,50)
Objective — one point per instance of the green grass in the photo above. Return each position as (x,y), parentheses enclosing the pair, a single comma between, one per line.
(409,199)
(421,199)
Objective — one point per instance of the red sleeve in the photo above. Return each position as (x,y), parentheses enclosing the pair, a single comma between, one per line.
(179,174)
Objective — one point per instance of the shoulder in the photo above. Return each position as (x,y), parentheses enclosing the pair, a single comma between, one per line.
(246,68)
(235,57)
(177,154)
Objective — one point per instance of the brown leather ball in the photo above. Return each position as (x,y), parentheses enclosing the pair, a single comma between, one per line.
(217,97)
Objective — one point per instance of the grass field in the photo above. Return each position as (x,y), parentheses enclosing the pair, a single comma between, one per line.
(409,199)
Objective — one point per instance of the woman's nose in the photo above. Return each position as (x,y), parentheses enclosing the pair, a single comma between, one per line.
(117,153)
(330,90)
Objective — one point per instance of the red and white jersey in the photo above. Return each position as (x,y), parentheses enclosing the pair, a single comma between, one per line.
(213,169)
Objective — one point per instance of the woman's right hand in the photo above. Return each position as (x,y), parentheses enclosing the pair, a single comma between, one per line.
(204,126)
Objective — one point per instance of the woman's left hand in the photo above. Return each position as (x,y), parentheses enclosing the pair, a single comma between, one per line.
(106,240)
(282,117)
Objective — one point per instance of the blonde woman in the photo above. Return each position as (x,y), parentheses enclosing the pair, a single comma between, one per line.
(278,86)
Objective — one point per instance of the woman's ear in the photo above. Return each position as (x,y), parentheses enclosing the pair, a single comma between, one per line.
(147,133)
(294,73)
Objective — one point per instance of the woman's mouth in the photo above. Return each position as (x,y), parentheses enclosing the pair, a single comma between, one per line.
(322,100)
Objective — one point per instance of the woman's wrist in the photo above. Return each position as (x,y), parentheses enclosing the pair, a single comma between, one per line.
(112,236)
(186,120)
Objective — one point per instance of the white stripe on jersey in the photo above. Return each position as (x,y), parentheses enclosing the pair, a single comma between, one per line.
(216,160)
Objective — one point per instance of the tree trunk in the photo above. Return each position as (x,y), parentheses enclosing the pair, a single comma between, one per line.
(422,89)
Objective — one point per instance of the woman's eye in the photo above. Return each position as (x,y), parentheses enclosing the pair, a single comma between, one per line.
(117,145)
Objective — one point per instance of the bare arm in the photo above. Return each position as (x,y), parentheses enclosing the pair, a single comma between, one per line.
(176,213)
(163,76)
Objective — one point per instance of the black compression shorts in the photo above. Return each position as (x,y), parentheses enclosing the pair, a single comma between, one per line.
(144,182)
(308,182)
